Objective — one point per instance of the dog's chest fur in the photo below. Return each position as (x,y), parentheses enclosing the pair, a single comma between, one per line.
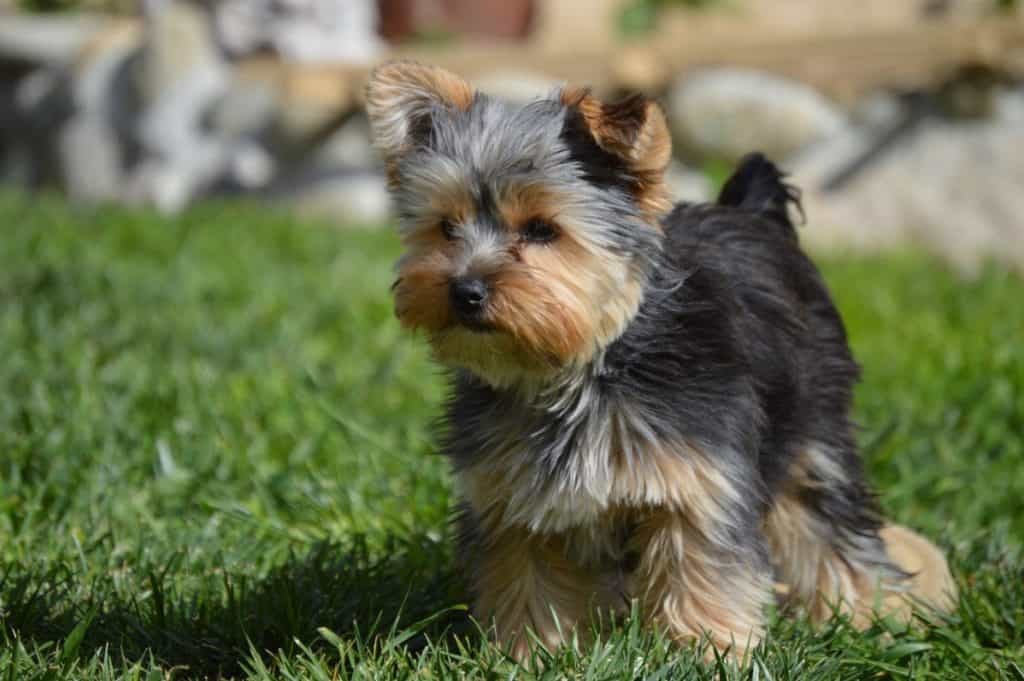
(665,417)
(581,461)
(549,466)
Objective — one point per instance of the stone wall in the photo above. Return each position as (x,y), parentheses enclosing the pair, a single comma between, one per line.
(157,112)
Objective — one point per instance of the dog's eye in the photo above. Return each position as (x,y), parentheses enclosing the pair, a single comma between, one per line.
(538,231)
(448,229)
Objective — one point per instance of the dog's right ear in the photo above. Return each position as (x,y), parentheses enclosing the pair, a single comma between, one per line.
(401,99)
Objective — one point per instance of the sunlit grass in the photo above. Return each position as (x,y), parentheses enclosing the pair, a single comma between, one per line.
(217,460)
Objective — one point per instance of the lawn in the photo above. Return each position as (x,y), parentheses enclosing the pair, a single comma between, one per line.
(217,461)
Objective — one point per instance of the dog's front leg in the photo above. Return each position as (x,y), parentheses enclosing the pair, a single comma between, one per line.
(526,586)
(694,583)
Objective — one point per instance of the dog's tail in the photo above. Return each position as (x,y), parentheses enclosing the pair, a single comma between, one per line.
(757,184)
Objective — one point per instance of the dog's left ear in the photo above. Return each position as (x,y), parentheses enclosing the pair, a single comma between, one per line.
(401,99)
(634,132)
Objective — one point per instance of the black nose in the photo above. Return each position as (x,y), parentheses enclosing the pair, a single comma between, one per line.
(468,296)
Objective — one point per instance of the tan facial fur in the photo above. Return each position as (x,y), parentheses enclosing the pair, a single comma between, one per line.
(553,305)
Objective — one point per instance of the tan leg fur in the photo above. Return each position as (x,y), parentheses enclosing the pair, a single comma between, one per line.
(691,588)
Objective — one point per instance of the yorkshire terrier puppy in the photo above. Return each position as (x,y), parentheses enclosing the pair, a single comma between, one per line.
(648,402)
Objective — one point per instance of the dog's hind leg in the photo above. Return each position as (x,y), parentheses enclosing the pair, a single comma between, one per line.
(830,552)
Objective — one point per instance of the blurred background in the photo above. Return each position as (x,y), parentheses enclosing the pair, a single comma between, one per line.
(903,120)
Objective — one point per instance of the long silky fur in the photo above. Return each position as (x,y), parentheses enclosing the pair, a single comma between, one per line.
(707,415)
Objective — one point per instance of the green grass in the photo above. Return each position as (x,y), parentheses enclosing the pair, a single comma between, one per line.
(216,461)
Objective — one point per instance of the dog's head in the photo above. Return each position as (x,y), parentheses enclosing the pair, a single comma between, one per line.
(528,231)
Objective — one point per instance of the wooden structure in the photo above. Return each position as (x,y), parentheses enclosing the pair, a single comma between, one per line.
(844,65)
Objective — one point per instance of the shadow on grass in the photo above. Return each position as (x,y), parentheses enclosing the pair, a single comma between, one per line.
(356,593)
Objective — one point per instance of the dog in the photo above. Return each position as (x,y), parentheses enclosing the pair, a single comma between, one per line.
(649,403)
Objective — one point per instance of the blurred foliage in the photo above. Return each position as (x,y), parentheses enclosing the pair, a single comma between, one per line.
(432,37)
(641,16)
(108,6)
(717,170)
(47,5)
